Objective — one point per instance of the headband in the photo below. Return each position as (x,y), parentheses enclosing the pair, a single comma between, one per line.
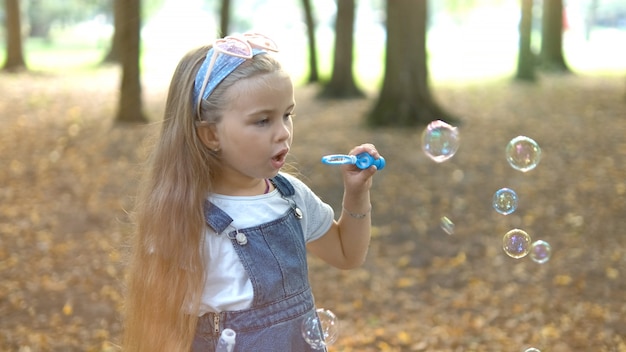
(224,65)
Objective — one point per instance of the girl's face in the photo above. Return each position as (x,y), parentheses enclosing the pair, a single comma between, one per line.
(256,129)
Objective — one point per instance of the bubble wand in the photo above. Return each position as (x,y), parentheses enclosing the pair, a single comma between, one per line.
(362,161)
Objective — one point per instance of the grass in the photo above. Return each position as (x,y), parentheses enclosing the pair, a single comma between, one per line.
(41,55)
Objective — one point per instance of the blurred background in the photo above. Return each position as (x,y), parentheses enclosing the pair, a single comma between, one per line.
(466,39)
(553,70)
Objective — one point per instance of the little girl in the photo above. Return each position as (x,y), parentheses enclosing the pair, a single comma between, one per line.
(222,233)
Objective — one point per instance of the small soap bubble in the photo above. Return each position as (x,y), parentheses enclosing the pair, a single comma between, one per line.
(447,225)
(523,153)
(540,251)
(440,141)
(532,349)
(516,243)
(321,329)
(505,201)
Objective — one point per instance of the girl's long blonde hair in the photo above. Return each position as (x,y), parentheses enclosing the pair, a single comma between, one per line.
(166,269)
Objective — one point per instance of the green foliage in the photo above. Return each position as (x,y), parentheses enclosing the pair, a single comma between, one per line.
(43,16)
(150,7)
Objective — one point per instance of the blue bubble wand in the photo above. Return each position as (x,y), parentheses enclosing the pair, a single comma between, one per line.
(362,161)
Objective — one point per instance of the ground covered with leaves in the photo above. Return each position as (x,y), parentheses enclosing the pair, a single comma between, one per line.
(69,174)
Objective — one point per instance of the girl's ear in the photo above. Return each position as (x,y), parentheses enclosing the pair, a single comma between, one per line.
(207,132)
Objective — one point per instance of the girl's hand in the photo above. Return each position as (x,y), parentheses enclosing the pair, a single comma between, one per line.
(355,179)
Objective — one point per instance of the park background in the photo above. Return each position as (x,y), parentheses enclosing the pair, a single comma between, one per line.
(69,172)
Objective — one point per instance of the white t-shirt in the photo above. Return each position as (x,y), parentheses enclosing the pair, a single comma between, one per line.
(228,286)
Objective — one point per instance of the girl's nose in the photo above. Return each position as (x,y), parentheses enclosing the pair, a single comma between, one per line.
(285,131)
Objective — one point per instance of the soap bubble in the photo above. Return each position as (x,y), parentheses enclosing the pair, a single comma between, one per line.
(321,329)
(440,141)
(447,225)
(523,153)
(540,251)
(516,243)
(505,201)
(532,349)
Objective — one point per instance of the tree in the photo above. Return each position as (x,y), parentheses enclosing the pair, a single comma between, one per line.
(44,15)
(130,103)
(224,18)
(116,7)
(525,57)
(114,54)
(39,22)
(310,30)
(405,98)
(14,54)
(341,84)
(552,37)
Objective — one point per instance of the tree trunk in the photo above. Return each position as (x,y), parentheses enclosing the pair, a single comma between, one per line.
(39,22)
(525,57)
(405,98)
(310,30)
(114,54)
(341,84)
(224,18)
(130,104)
(552,37)
(14,55)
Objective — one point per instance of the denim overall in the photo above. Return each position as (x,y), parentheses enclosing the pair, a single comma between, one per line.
(274,256)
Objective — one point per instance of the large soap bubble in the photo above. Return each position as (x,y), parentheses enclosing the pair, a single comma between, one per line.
(523,153)
(320,329)
(440,141)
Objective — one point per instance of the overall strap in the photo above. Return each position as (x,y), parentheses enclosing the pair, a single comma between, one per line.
(283,185)
(215,217)
(218,220)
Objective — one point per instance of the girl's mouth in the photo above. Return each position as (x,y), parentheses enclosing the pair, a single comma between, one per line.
(278,160)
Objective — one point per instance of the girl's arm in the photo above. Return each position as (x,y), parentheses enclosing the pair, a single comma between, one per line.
(345,244)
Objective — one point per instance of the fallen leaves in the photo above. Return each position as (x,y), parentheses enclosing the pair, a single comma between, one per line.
(69,175)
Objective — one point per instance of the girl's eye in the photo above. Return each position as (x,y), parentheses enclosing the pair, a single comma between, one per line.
(263,122)
(289,115)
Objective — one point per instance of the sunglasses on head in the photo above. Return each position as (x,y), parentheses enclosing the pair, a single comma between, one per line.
(238,46)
